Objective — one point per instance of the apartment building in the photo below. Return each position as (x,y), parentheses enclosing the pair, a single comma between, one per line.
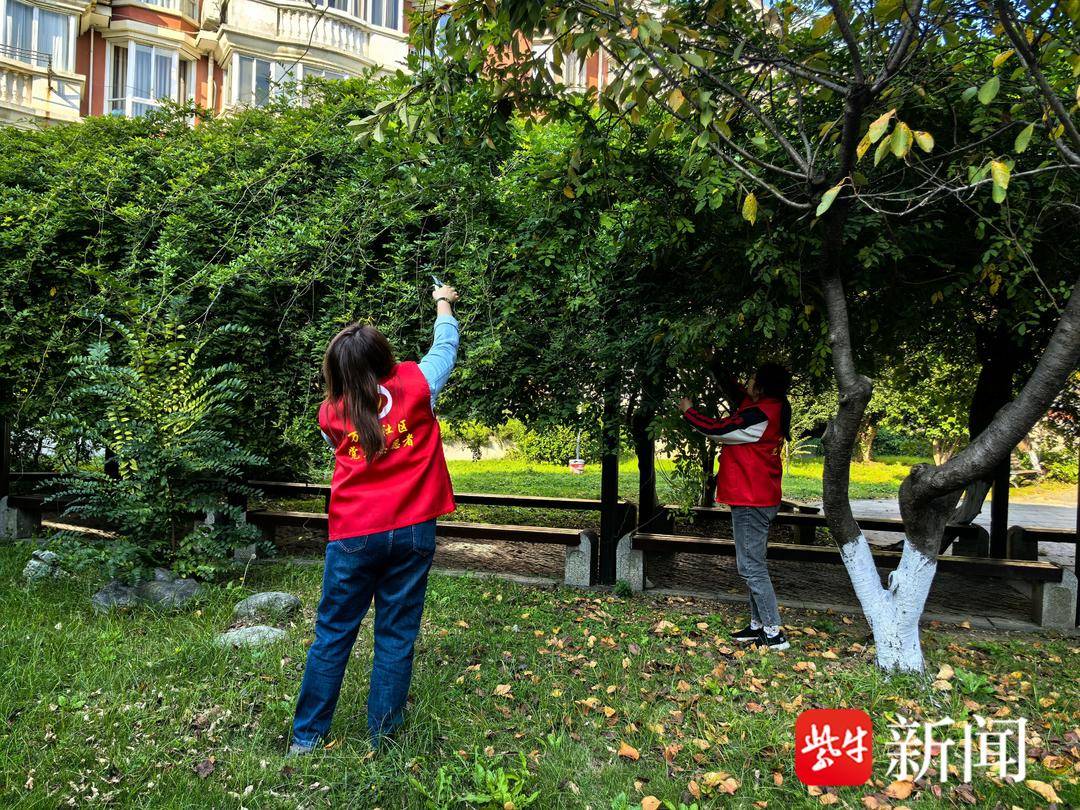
(61,60)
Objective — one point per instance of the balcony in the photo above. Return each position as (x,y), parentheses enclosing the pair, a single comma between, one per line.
(332,30)
(31,90)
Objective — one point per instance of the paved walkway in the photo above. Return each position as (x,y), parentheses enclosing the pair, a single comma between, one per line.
(1046,516)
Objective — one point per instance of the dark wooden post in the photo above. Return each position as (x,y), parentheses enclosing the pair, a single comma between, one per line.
(5,457)
(999,511)
(112,464)
(611,516)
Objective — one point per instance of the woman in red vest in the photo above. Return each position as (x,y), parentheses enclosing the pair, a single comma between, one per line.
(390,483)
(748,480)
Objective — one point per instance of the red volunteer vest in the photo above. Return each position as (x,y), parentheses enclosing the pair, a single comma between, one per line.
(409,482)
(750,474)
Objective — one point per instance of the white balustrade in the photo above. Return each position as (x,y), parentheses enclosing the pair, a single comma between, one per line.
(16,86)
(301,26)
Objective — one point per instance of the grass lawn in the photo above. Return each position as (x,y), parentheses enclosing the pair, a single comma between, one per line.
(802,482)
(141,709)
(879,479)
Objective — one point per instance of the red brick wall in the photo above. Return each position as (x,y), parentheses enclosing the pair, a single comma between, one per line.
(93,99)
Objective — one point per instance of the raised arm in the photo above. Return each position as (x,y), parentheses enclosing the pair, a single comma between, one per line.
(437,364)
(732,390)
(745,427)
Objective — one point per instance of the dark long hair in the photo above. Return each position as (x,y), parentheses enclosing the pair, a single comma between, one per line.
(356,359)
(773,380)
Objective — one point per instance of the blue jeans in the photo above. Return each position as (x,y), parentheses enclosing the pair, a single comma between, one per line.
(750,526)
(391,568)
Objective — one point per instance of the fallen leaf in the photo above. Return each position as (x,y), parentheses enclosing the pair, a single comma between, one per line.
(900,789)
(829,798)
(206,767)
(1043,789)
(629,752)
(650,803)
(945,673)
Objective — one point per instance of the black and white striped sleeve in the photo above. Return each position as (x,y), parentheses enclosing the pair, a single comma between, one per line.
(745,427)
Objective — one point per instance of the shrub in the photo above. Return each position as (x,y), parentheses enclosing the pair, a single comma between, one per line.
(473,435)
(167,420)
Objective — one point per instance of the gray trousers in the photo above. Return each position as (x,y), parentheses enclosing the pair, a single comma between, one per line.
(750,526)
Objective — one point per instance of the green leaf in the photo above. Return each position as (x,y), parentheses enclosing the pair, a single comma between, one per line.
(694,59)
(989,90)
(1024,138)
(828,197)
(901,140)
(877,129)
(882,148)
(925,140)
(750,208)
(998,194)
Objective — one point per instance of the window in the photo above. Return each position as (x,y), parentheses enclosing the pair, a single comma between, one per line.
(189,8)
(321,73)
(35,35)
(386,13)
(574,70)
(142,77)
(340,5)
(258,80)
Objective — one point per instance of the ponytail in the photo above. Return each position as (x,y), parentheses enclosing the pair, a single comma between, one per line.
(773,380)
(356,359)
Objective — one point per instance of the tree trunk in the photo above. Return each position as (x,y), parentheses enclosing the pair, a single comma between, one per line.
(866,442)
(708,477)
(892,612)
(645,450)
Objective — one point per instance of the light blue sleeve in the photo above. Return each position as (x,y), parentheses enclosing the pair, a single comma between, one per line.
(437,364)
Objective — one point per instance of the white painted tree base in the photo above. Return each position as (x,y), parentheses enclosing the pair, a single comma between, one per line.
(893,613)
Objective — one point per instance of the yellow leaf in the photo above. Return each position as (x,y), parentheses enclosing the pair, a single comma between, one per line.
(1001,58)
(629,752)
(676,99)
(877,129)
(502,690)
(1000,172)
(863,147)
(650,803)
(750,208)
(1044,790)
(925,140)
(945,673)
(569,192)
(822,25)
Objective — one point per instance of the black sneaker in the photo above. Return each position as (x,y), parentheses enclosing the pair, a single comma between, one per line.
(747,635)
(777,642)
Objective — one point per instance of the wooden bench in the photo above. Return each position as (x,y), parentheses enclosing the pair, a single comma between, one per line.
(264,518)
(806,520)
(577,563)
(1050,583)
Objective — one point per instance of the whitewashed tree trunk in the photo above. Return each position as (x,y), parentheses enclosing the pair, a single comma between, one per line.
(892,612)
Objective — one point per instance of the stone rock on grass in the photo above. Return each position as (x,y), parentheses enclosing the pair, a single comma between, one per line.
(115,594)
(42,565)
(258,635)
(170,594)
(267,605)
